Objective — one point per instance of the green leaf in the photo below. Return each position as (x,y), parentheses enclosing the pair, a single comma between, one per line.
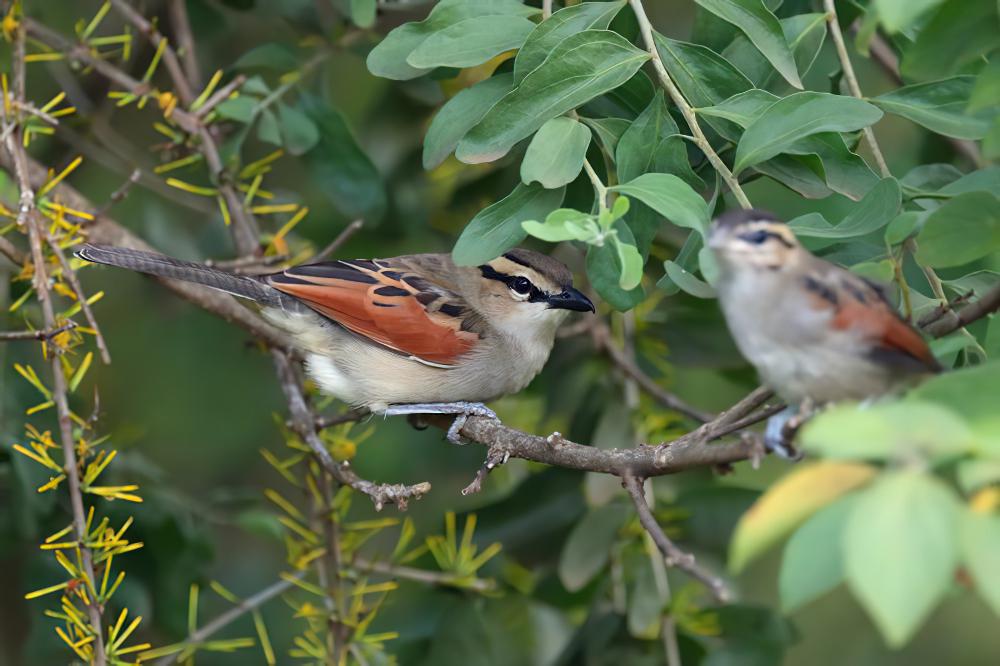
(742,108)
(300,133)
(240,108)
(900,550)
(363,13)
(805,34)
(645,603)
(762,28)
(940,106)
(969,392)
(604,270)
(459,114)
(556,153)
(470,42)
(873,212)
(705,77)
(887,431)
(580,68)
(563,224)
(562,24)
(687,282)
(899,15)
(638,144)
(631,264)
(959,33)
(798,116)
(350,180)
(980,543)
(976,474)
(813,563)
(608,130)
(497,228)
(268,128)
(281,57)
(945,237)
(986,90)
(588,547)
(671,197)
(388,58)
(790,502)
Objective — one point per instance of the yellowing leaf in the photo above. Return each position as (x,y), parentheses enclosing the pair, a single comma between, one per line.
(789,503)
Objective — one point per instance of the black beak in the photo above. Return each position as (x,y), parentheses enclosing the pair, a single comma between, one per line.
(571,299)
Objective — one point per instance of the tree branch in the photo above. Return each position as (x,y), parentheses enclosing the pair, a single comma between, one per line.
(674,556)
(689,116)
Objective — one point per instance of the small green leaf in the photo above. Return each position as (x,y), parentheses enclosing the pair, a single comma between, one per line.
(980,543)
(563,224)
(497,228)
(637,146)
(687,282)
(604,270)
(363,13)
(944,239)
(960,32)
(268,129)
(813,563)
(762,28)
(280,57)
(671,197)
(299,132)
(631,263)
(556,153)
(798,116)
(805,34)
(240,108)
(900,550)
(470,42)
(898,15)
(563,23)
(459,114)
(873,212)
(580,68)
(588,548)
(940,106)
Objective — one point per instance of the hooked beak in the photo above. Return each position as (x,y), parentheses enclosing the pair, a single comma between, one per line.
(571,299)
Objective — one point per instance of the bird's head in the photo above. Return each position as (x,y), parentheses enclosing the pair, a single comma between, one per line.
(524,290)
(753,240)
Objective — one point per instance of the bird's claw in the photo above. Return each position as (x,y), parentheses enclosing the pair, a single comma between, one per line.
(780,431)
(462,410)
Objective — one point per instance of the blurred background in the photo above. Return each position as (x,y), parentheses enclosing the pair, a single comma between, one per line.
(190,402)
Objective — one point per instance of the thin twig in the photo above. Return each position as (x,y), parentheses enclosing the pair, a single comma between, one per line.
(441,578)
(339,241)
(28,216)
(220,95)
(952,320)
(185,41)
(674,556)
(11,251)
(546,9)
(646,29)
(251,603)
(852,81)
(602,337)
(41,334)
(180,81)
(304,423)
(81,298)
(119,195)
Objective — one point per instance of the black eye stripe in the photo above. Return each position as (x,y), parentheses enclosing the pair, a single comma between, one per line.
(534,293)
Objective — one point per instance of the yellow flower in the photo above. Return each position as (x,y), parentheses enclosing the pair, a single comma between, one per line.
(168,102)
(9,25)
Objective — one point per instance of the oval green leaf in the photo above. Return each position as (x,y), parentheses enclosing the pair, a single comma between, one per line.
(556,153)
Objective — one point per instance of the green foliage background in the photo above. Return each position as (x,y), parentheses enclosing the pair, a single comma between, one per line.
(190,406)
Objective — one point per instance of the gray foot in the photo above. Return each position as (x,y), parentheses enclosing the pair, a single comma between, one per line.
(463,410)
(777,439)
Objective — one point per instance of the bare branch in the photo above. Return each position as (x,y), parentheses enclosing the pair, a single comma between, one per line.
(951,320)
(337,242)
(674,556)
(180,81)
(220,95)
(185,41)
(41,334)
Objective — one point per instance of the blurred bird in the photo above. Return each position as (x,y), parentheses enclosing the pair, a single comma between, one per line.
(816,332)
(414,334)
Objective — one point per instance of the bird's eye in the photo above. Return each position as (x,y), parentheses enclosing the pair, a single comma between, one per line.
(756,237)
(521,285)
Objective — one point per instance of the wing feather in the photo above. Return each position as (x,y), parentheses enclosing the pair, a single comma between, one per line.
(386,304)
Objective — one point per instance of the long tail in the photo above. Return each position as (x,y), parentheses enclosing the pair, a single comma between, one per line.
(168,267)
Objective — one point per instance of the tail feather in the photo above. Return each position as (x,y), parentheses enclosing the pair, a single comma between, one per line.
(163,266)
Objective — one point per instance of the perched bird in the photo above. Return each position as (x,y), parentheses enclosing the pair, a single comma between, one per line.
(414,334)
(816,332)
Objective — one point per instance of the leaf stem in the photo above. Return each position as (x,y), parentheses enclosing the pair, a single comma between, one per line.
(852,81)
(689,116)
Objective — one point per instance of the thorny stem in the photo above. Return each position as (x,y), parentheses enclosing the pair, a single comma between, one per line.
(29,216)
(646,29)
(852,81)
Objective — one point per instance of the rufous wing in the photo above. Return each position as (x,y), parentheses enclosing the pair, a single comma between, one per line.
(860,306)
(386,304)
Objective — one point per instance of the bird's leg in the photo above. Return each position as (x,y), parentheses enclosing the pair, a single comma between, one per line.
(463,410)
(777,439)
